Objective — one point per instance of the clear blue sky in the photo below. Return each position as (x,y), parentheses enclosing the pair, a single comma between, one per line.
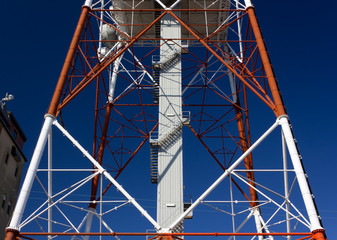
(300,36)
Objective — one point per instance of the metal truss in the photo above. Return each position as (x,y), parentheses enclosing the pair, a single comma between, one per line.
(106,97)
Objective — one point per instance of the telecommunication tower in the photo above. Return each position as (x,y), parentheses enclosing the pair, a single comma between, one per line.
(153,136)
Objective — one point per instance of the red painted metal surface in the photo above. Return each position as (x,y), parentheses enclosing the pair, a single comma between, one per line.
(243,71)
(122,120)
(213,234)
(67,63)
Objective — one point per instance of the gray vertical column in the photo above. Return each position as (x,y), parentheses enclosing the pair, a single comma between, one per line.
(170,163)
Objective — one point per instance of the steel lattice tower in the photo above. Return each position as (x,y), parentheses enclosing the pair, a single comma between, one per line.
(166,87)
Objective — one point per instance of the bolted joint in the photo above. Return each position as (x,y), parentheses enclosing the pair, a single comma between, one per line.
(87,4)
(164,230)
(92,205)
(248,4)
(11,234)
(319,234)
(165,238)
(49,115)
(283,116)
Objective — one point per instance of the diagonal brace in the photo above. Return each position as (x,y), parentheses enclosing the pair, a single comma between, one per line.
(108,176)
(223,176)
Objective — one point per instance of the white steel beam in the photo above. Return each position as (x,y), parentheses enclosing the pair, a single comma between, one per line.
(286,184)
(105,225)
(224,175)
(50,182)
(108,176)
(265,227)
(113,77)
(175,4)
(88,223)
(242,224)
(300,174)
(258,223)
(88,3)
(31,173)
(67,219)
(76,186)
(248,3)
(305,222)
(81,224)
(161,4)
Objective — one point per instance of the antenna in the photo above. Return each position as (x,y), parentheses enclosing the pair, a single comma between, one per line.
(7,98)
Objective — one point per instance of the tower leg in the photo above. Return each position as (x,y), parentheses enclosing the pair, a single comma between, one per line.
(318,235)
(67,63)
(300,174)
(258,223)
(28,182)
(286,185)
(89,222)
(50,182)
(279,107)
(13,228)
(11,234)
(249,166)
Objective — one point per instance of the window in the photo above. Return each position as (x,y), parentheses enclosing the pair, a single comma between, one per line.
(15,154)
(6,158)
(16,171)
(9,207)
(15,134)
(3,201)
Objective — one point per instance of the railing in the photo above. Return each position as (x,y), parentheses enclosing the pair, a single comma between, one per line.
(157,63)
(177,123)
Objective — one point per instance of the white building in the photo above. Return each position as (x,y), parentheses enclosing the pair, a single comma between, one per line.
(12,139)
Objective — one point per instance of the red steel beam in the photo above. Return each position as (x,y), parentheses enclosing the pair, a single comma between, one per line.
(10,233)
(129,160)
(167,39)
(204,43)
(280,110)
(67,63)
(161,10)
(102,66)
(216,159)
(95,181)
(279,107)
(211,234)
(248,160)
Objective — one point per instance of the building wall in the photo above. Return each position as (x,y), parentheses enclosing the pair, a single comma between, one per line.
(11,167)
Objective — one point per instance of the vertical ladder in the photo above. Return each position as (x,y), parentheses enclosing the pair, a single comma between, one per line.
(154,148)
(155,75)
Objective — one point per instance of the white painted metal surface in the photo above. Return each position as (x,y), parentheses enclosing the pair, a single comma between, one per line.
(170,162)
(170,188)
(50,181)
(224,175)
(113,76)
(259,226)
(88,223)
(31,173)
(87,3)
(286,183)
(136,20)
(248,3)
(107,175)
(300,174)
